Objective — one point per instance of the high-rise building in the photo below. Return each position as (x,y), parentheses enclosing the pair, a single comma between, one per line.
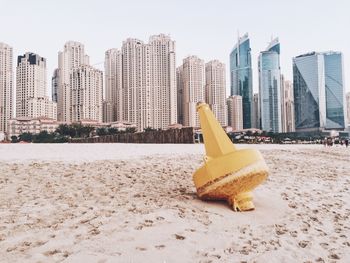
(193,89)
(6,86)
(235,112)
(149,82)
(114,86)
(241,77)
(180,88)
(270,88)
(107,111)
(256,111)
(136,95)
(215,89)
(287,106)
(31,88)
(348,107)
(319,92)
(86,93)
(164,78)
(72,57)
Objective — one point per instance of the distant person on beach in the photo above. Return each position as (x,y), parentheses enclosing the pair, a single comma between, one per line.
(346,142)
(329,142)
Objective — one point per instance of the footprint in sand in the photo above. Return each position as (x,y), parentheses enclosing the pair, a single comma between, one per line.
(10,249)
(39,243)
(294,233)
(320,260)
(160,247)
(333,256)
(280,229)
(52,252)
(324,245)
(303,243)
(94,232)
(179,237)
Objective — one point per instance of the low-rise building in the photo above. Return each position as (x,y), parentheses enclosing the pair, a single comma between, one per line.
(31,125)
(121,125)
(175,126)
(35,125)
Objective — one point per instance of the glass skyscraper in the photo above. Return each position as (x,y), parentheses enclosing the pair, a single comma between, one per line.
(241,77)
(319,91)
(270,88)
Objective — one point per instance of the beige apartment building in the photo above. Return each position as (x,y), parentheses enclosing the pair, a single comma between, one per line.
(113,104)
(73,56)
(287,107)
(31,88)
(235,112)
(148,92)
(191,89)
(31,125)
(164,79)
(86,93)
(215,89)
(6,86)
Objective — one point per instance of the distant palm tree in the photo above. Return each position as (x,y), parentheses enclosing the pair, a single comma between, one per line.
(14,139)
(149,129)
(86,131)
(26,137)
(131,130)
(101,131)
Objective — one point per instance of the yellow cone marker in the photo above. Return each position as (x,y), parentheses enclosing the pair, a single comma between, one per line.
(227,174)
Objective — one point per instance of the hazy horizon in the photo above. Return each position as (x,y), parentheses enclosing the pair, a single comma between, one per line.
(202,28)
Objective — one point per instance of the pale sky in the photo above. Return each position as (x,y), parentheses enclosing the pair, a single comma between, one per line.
(206,28)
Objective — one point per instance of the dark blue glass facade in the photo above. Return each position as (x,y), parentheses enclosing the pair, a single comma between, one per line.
(241,78)
(334,91)
(318,91)
(270,89)
(306,107)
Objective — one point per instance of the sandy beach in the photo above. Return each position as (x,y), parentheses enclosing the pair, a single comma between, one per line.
(137,203)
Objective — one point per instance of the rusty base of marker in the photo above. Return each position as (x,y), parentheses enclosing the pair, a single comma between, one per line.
(236,187)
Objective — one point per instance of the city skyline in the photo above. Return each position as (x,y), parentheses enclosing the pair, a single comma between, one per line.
(98,28)
(31,84)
